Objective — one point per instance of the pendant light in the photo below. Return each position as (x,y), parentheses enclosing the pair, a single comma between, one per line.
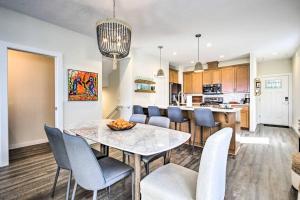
(198,65)
(160,72)
(114,37)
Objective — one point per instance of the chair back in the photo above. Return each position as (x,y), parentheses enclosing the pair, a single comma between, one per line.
(163,122)
(85,167)
(137,109)
(212,170)
(153,111)
(138,118)
(175,114)
(57,146)
(204,117)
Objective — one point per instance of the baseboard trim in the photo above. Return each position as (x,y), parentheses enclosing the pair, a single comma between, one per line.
(296,130)
(29,143)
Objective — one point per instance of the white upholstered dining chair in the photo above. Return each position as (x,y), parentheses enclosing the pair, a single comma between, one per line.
(179,183)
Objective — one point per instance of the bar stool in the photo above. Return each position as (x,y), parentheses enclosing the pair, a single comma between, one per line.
(153,111)
(138,109)
(175,115)
(204,118)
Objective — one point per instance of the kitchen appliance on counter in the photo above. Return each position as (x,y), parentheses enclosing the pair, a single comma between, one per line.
(212,89)
(247,98)
(208,101)
(174,93)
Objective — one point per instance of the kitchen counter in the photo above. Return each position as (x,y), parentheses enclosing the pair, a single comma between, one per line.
(213,109)
(226,117)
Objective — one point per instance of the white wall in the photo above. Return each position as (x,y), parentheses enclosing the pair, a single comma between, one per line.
(296,89)
(145,65)
(278,66)
(141,64)
(79,52)
(253,75)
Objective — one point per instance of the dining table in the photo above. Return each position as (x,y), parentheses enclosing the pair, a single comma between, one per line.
(141,140)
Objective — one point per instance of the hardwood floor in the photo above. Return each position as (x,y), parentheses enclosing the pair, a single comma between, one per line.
(260,171)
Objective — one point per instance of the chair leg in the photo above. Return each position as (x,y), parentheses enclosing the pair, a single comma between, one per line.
(74,191)
(124,157)
(190,131)
(195,131)
(132,185)
(201,136)
(55,181)
(95,195)
(69,185)
(146,168)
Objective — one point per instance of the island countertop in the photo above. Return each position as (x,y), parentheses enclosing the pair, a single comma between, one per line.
(213,109)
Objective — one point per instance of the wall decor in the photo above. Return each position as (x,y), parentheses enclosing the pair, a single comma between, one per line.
(82,85)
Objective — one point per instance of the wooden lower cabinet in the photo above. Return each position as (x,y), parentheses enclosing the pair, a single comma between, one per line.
(245,117)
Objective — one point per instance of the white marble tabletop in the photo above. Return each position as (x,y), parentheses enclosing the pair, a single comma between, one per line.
(143,139)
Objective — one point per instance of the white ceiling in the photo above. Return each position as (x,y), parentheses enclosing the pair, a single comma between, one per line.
(270,28)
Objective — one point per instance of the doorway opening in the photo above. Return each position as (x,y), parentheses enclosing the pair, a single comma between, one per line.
(31,97)
(29,88)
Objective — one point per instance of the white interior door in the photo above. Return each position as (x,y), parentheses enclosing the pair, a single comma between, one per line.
(275,100)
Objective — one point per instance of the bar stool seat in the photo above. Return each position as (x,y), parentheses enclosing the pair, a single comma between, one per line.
(175,115)
(204,118)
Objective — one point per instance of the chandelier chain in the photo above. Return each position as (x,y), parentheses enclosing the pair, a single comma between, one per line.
(114,9)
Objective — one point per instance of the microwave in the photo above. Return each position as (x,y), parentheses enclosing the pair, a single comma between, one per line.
(212,89)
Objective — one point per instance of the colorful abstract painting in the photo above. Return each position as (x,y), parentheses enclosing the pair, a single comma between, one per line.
(82,86)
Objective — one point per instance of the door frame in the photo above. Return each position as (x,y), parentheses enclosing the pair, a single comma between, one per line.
(4,137)
(290,77)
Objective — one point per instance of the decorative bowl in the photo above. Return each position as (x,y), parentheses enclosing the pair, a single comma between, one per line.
(116,128)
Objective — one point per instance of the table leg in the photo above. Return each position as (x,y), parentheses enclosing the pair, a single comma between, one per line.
(137,176)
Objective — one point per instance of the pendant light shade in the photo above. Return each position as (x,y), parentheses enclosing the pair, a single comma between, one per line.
(198,65)
(114,38)
(160,72)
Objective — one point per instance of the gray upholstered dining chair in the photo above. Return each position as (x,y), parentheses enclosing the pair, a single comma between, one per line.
(204,118)
(153,111)
(163,122)
(138,118)
(137,109)
(90,173)
(175,182)
(55,138)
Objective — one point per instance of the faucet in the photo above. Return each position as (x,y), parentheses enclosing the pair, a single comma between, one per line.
(178,100)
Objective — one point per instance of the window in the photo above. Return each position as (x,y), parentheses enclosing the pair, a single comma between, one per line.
(273,84)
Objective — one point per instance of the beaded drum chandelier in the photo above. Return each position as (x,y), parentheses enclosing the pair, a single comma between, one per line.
(114,38)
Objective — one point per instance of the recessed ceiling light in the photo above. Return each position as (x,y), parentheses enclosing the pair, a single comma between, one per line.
(174,53)
(208,45)
(222,56)
(274,53)
(192,62)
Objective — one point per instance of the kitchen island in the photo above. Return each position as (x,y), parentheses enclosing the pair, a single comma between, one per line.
(227,118)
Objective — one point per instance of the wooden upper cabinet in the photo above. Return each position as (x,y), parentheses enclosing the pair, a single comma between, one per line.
(188,82)
(197,82)
(207,77)
(173,76)
(216,76)
(242,78)
(228,79)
